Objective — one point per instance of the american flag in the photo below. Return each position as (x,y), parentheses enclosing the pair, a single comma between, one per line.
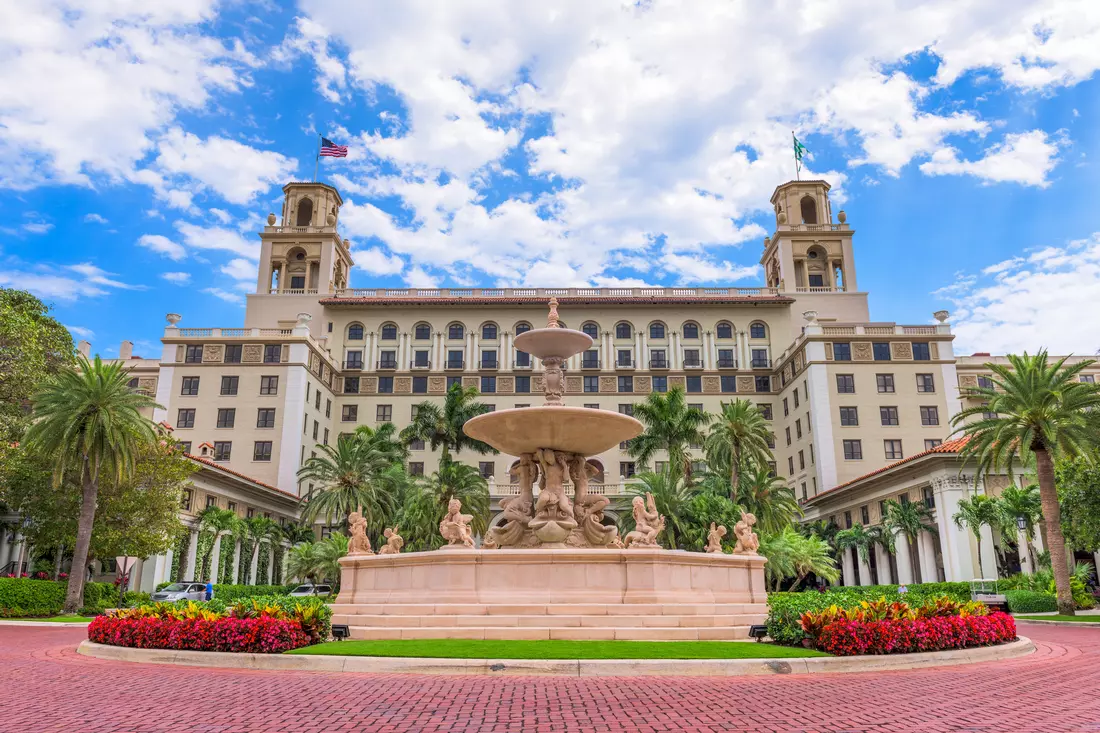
(330,149)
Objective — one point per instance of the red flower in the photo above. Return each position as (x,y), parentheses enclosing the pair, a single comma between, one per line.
(263,635)
(900,636)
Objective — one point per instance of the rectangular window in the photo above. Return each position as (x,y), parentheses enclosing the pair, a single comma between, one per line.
(885,383)
(385,385)
(691,358)
(853,450)
(881,351)
(486,468)
(694,384)
(523,359)
(795,395)
(416,468)
(316,429)
(523,385)
(489,359)
(847,520)
(726,359)
(270,385)
(452,381)
(351,385)
(590,359)
(921,352)
(227,416)
(625,358)
(801,460)
(328,408)
(185,446)
(930,415)
(842,352)
(488,385)
(190,386)
(790,465)
(325,439)
(387,359)
(893,449)
(926,383)
(222,450)
(262,451)
(657,359)
(846,383)
(383,413)
(229,386)
(931,443)
(864,515)
(798,428)
(233,353)
(349,413)
(185,501)
(763,384)
(660,384)
(265,417)
(192,355)
(1088,378)
(804,495)
(420,359)
(420,385)
(849,416)
(627,409)
(317,398)
(787,430)
(454,359)
(273,353)
(626,469)
(626,384)
(765,410)
(354,360)
(589,405)
(416,444)
(591,384)
(786,408)
(727,384)
(760,359)
(888,415)
(185,418)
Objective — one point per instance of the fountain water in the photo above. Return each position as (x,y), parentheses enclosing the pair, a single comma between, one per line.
(554,570)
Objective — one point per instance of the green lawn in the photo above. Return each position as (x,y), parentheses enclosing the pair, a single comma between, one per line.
(557,649)
(58,619)
(1092,619)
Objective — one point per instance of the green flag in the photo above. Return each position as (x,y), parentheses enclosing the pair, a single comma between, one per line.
(799,149)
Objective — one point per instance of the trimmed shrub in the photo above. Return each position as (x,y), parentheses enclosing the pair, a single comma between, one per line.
(262,635)
(231,593)
(20,597)
(1027,601)
(904,636)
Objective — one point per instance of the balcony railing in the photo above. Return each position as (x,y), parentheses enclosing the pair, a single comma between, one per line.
(625,363)
(420,366)
(455,364)
(693,364)
(658,363)
(486,364)
(445,293)
(590,363)
(387,363)
(761,363)
(727,363)
(353,365)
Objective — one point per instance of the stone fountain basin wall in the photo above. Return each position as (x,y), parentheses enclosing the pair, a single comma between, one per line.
(555,594)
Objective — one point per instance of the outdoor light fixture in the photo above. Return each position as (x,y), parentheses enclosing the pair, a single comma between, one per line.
(756,631)
(340,632)
(1021,523)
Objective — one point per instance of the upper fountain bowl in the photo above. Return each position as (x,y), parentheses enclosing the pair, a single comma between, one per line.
(570,429)
(553,342)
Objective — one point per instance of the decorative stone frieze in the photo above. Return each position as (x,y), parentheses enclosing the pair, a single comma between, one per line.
(712,385)
(148,385)
(506,384)
(536,384)
(470,381)
(368,385)
(285,356)
(862,351)
(314,363)
(828,351)
(746,384)
(213,353)
(901,351)
(680,382)
(608,384)
(180,350)
(643,385)
(252,354)
(934,350)
(402,385)
(968,380)
(574,385)
(437,385)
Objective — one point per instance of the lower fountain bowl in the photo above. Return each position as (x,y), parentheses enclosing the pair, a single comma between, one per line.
(551,531)
(571,429)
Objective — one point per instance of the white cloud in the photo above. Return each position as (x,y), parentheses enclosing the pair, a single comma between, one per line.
(218,238)
(240,269)
(311,40)
(417,277)
(694,269)
(225,295)
(37,227)
(1025,158)
(179,278)
(84,333)
(1030,303)
(162,245)
(221,215)
(377,262)
(97,276)
(66,283)
(94,218)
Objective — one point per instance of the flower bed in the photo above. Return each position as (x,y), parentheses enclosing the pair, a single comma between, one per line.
(883,627)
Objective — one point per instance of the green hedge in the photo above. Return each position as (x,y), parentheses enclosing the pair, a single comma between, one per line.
(21,597)
(1028,601)
(231,592)
(785,609)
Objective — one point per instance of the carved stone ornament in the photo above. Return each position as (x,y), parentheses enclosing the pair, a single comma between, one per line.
(862,351)
(252,353)
(746,384)
(747,541)
(536,384)
(314,363)
(469,381)
(648,523)
(968,380)
(680,382)
(358,543)
(608,384)
(574,384)
(455,526)
(901,350)
(712,385)
(368,385)
(828,351)
(437,385)
(714,538)
(148,385)
(213,353)
(402,385)
(506,384)
(394,542)
(643,385)
(934,350)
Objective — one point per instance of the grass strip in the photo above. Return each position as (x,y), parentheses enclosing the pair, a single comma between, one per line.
(1091,619)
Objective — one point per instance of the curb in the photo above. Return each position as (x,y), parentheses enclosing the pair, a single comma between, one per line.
(1074,624)
(565,667)
(51,624)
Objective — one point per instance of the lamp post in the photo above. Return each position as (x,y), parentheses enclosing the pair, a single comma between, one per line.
(1021,523)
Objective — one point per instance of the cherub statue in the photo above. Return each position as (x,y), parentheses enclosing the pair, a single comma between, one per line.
(394,542)
(714,537)
(517,509)
(588,508)
(747,541)
(359,543)
(552,495)
(648,523)
(455,527)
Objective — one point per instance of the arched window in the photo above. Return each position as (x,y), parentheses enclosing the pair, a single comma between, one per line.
(657,330)
(623,331)
(591,329)
(355,332)
(489,332)
(305,213)
(422,332)
(595,471)
(809,210)
(691,330)
(456,332)
(758,331)
(389,332)
(724,330)
(522,328)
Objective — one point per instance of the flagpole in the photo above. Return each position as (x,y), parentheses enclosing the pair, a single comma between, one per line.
(317,158)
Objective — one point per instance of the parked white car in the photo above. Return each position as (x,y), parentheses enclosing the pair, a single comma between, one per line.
(319,591)
(181,592)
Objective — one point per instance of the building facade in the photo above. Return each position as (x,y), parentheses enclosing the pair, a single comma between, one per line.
(848,397)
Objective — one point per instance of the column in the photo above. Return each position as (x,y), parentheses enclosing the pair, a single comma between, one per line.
(215,558)
(286,559)
(372,342)
(1037,540)
(282,276)
(864,569)
(270,563)
(1025,556)
(166,571)
(989,553)
(905,564)
(189,572)
(926,545)
(643,359)
(506,352)
(848,567)
(403,353)
(958,557)
(609,352)
(255,561)
(704,355)
(638,349)
(5,548)
(712,351)
(743,360)
(674,351)
(469,349)
(882,562)
(233,578)
(437,352)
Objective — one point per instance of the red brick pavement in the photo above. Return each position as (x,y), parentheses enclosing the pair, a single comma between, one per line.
(45,687)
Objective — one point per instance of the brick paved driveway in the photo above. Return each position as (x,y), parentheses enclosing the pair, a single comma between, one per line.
(46,687)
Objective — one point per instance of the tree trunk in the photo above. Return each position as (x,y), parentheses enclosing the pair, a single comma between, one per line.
(1052,516)
(74,596)
(734,477)
(57,562)
(978,537)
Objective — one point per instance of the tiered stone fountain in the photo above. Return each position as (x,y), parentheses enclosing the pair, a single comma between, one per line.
(553,571)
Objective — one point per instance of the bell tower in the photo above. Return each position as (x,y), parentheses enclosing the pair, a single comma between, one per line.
(809,252)
(303,254)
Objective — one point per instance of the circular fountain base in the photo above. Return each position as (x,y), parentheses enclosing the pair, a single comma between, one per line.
(551,594)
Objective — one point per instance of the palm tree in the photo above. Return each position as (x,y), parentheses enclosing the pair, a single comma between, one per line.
(975,512)
(328,553)
(768,498)
(259,529)
(219,522)
(779,550)
(353,475)
(671,426)
(909,519)
(385,440)
(1022,503)
(672,494)
(88,420)
(811,555)
(441,427)
(859,539)
(1036,410)
(740,435)
(295,533)
(426,504)
(303,563)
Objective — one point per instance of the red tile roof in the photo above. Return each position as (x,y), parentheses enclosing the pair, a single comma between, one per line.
(948,447)
(238,474)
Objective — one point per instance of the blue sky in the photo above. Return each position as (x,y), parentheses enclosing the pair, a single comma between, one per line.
(563,143)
